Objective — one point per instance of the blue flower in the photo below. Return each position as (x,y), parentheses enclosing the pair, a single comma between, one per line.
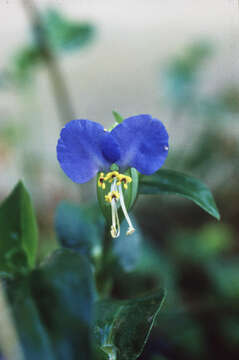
(86,148)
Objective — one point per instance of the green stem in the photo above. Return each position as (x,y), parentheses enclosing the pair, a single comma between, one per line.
(63,103)
(104,277)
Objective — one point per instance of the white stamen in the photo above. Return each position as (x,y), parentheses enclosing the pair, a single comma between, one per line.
(115,227)
(165,147)
(131,229)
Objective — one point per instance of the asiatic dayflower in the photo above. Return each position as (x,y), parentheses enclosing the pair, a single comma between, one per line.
(86,149)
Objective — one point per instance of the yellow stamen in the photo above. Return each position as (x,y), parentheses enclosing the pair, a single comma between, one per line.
(112,195)
(124,179)
(101,181)
(115,195)
(111,176)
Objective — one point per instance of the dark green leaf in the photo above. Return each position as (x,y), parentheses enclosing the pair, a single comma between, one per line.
(52,308)
(99,354)
(63,290)
(78,228)
(18,232)
(123,327)
(33,336)
(174,182)
(118,117)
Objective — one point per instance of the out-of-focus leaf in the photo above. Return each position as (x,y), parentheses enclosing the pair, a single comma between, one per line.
(99,354)
(25,60)
(59,33)
(33,336)
(18,232)
(224,274)
(11,133)
(174,182)
(231,330)
(63,289)
(64,34)
(52,308)
(180,76)
(123,327)
(204,245)
(77,228)
(127,249)
(230,99)
(118,117)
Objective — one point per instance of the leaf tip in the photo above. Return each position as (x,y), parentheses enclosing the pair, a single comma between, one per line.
(217,216)
(19,185)
(117,116)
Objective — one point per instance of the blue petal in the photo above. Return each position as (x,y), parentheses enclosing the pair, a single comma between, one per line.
(84,148)
(143,143)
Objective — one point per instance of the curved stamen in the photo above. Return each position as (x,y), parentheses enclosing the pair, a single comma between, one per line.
(124,179)
(115,227)
(131,229)
(117,181)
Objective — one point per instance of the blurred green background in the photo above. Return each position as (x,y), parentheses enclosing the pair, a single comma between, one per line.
(178,61)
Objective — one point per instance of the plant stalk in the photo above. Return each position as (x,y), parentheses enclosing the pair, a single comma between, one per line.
(62,99)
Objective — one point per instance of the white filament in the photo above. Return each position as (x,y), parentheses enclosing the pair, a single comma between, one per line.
(115,227)
(131,229)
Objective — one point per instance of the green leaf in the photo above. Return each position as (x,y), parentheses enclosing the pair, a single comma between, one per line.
(64,291)
(122,328)
(24,61)
(99,354)
(173,182)
(118,117)
(79,228)
(18,232)
(53,308)
(33,336)
(64,34)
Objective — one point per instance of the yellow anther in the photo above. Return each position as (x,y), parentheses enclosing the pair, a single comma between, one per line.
(112,195)
(101,181)
(111,176)
(124,179)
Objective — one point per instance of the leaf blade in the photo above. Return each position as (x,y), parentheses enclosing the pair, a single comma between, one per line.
(123,327)
(167,181)
(53,308)
(19,235)
(79,228)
